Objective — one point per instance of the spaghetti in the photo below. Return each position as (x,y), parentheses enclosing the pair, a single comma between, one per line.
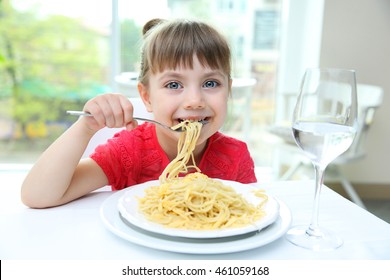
(196,201)
(185,148)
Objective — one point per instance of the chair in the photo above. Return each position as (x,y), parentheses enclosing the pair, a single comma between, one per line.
(369,100)
(126,83)
(104,134)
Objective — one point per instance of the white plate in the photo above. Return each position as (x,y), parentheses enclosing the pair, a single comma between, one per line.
(114,223)
(128,208)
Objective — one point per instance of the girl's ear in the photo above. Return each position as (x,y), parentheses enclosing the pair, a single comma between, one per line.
(144,94)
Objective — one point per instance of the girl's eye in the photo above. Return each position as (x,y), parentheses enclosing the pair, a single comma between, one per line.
(173,85)
(210,84)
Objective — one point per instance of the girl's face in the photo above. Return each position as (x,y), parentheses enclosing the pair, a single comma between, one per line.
(178,94)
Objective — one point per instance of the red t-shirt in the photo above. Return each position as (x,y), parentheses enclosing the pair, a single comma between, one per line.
(133,157)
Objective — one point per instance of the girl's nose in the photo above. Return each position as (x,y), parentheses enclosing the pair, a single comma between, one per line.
(194,99)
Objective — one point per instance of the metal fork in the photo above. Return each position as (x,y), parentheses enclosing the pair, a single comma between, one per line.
(179,129)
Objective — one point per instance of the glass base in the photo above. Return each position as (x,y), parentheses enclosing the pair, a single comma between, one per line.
(318,239)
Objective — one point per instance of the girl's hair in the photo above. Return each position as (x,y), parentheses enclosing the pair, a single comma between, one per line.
(169,44)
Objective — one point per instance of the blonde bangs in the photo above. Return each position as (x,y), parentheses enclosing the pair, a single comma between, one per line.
(173,44)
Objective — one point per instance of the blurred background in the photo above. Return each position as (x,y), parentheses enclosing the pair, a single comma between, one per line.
(55,55)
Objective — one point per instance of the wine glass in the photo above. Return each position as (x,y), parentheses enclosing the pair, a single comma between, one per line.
(324,125)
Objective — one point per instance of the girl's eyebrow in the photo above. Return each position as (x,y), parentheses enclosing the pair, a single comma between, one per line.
(215,73)
(170,75)
(177,74)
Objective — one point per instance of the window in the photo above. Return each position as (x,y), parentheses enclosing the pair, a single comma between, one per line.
(54,57)
(267,30)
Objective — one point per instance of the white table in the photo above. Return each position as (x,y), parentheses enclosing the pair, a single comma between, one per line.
(75,230)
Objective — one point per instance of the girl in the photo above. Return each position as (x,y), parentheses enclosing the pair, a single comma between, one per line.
(185,74)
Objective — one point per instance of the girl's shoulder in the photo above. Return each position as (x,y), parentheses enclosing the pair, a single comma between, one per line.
(134,143)
(222,140)
(228,158)
(227,149)
(141,133)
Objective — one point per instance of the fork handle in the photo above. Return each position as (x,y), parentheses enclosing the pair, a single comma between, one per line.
(79,113)
(86,114)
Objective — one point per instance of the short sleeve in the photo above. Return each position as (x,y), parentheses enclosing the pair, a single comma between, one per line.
(246,167)
(117,160)
(131,157)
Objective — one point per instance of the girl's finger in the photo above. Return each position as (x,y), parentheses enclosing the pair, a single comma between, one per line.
(128,110)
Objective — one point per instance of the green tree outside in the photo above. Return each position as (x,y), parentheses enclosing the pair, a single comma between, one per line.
(49,65)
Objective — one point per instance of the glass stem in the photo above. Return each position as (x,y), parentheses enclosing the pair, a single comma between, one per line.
(313,229)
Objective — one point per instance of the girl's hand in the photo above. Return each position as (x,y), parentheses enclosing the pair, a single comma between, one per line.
(112,110)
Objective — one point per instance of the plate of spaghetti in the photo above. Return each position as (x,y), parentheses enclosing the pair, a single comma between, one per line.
(120,227)
(196,206)
(190,204)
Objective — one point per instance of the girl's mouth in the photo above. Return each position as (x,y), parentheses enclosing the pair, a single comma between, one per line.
(203,120)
